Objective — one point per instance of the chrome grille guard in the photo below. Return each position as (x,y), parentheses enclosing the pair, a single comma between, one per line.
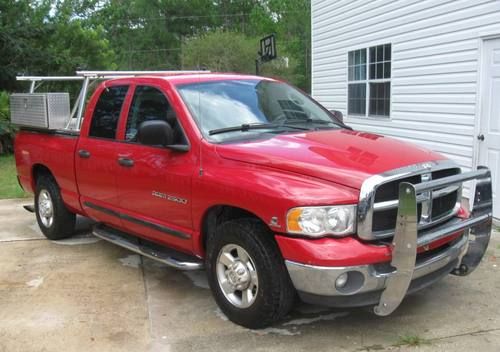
(367,208)
(405,241)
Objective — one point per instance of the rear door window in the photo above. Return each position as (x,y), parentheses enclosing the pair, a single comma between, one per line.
(107,112)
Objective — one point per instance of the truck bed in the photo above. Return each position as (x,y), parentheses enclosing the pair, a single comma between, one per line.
(54,149)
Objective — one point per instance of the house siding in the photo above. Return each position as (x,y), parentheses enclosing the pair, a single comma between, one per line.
(435,65)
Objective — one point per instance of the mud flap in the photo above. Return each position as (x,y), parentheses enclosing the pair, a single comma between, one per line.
(404,252)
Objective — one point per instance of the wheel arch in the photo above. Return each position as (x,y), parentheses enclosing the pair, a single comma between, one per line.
(217,214)
(38,170)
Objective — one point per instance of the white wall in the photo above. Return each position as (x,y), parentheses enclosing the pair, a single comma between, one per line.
(435,52)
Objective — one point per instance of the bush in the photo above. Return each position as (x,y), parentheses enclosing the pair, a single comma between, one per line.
(7,130)
(225,51)
(221,52)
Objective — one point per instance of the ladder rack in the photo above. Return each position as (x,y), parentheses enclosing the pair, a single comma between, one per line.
(114,74)
(89,78)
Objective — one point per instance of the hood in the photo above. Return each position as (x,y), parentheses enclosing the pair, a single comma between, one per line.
(342,156)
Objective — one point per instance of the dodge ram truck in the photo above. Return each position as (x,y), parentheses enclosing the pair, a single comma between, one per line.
(254,181)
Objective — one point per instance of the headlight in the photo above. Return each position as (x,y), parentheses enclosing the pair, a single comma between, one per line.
(320,221)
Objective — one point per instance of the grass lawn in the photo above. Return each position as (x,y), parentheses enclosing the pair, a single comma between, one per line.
(9,188)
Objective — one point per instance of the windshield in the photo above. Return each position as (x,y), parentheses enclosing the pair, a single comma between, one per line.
(224,109)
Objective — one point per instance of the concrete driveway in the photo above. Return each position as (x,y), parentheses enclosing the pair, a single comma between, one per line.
(84,294)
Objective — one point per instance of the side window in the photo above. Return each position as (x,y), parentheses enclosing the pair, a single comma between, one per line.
(150,103)
(107,112)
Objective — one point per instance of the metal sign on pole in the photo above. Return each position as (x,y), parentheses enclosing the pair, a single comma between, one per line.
(267,51)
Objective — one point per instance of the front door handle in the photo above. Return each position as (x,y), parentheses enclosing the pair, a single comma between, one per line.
(125,162)
(85,154)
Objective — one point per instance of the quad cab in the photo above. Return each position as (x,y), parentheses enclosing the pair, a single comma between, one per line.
(252,180)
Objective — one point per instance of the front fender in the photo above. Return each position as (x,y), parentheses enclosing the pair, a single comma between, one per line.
(265,192)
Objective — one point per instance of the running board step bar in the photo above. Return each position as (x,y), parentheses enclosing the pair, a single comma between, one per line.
(148,249)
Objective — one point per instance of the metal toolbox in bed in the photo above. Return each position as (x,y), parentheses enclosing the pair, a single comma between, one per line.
(40,110)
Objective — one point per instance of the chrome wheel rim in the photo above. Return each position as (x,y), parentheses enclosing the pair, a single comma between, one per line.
(45,208)
(237,276)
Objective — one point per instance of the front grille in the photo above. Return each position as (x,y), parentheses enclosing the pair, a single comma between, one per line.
(385,220)
(442,206)
(390,190)
(439,209)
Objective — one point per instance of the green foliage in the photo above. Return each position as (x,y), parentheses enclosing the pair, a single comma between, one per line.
(9,188)
(162,34)
(48,39)
(224,51)
(412,340)
(7,131)
(285,68)
(4,106)
(220,51)
(294,31)
(55,37)
(146,35)
(75,46)
(22,33)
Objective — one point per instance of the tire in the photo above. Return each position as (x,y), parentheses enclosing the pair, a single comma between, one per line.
(271,291)
(54,219)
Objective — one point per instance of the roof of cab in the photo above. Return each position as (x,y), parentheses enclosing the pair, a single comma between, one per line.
(199,77)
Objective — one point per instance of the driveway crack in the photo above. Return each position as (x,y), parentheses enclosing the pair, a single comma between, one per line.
(146,293)
(472,333)
(23,240)
(380,347)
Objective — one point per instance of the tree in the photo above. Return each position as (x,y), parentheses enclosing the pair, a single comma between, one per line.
(58,36)
(225,51)
(293,28)
(148,34)
(38,38)
(6,129)
(220,51)
(22,33)
(73,46)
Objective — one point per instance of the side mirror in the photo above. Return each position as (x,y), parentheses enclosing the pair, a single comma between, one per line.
(338,115)
(155,132)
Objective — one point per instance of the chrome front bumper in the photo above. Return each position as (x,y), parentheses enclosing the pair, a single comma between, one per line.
(389,284)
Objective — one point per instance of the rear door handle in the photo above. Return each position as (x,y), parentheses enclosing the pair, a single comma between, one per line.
(125,162)
(85,154)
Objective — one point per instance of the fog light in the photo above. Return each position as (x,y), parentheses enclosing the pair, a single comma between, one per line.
(341,280)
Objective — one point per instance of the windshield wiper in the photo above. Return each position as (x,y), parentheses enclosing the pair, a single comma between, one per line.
(256,126)
(309,120)
(317,121)
(325,122)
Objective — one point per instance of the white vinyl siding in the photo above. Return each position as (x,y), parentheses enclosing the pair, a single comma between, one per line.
(435,53)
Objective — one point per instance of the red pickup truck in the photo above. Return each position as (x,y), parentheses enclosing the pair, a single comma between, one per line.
(252,180)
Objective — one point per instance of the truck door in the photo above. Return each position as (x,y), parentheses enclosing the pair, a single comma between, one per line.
(96,156)
(154,183)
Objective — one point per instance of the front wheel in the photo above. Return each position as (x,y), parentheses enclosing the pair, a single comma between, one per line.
(54,219)
(247,275)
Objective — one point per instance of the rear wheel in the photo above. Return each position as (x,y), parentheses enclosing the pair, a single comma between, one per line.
(247,274)
(54,219)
